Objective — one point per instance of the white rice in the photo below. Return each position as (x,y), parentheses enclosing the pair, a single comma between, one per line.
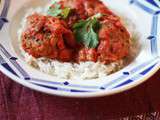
(64,70)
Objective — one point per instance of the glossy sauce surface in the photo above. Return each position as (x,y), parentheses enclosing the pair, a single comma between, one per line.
(54,38)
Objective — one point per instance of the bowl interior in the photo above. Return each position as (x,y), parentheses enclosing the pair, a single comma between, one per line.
(134,70)
(19,14)
(124,11)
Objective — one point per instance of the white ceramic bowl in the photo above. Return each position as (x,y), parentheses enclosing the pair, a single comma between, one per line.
(145,15)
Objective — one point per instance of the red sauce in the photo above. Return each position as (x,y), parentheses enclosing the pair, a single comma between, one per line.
(53,38)
(44,37)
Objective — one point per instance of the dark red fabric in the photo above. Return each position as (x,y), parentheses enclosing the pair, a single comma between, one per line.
(20,103)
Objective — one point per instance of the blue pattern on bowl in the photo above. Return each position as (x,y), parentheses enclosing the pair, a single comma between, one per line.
(124,79)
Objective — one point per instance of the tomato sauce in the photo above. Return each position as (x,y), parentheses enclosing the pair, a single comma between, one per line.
(53,38)
(44,37)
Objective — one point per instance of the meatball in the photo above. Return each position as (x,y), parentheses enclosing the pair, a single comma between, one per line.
(44,37)
(93,7)
(113,36)
(114,40)
(77,11)
(76,5)
(86,8)
(53,37)
(114,44)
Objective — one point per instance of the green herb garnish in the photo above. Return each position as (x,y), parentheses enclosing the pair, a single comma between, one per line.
(56,11)
(65,12)
(86,32)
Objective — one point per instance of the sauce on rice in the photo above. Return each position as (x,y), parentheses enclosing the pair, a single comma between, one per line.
(55,37)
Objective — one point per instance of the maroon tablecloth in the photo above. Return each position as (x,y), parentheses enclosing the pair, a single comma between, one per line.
(20,103)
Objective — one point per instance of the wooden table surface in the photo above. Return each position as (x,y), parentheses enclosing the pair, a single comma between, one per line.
(20,103)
